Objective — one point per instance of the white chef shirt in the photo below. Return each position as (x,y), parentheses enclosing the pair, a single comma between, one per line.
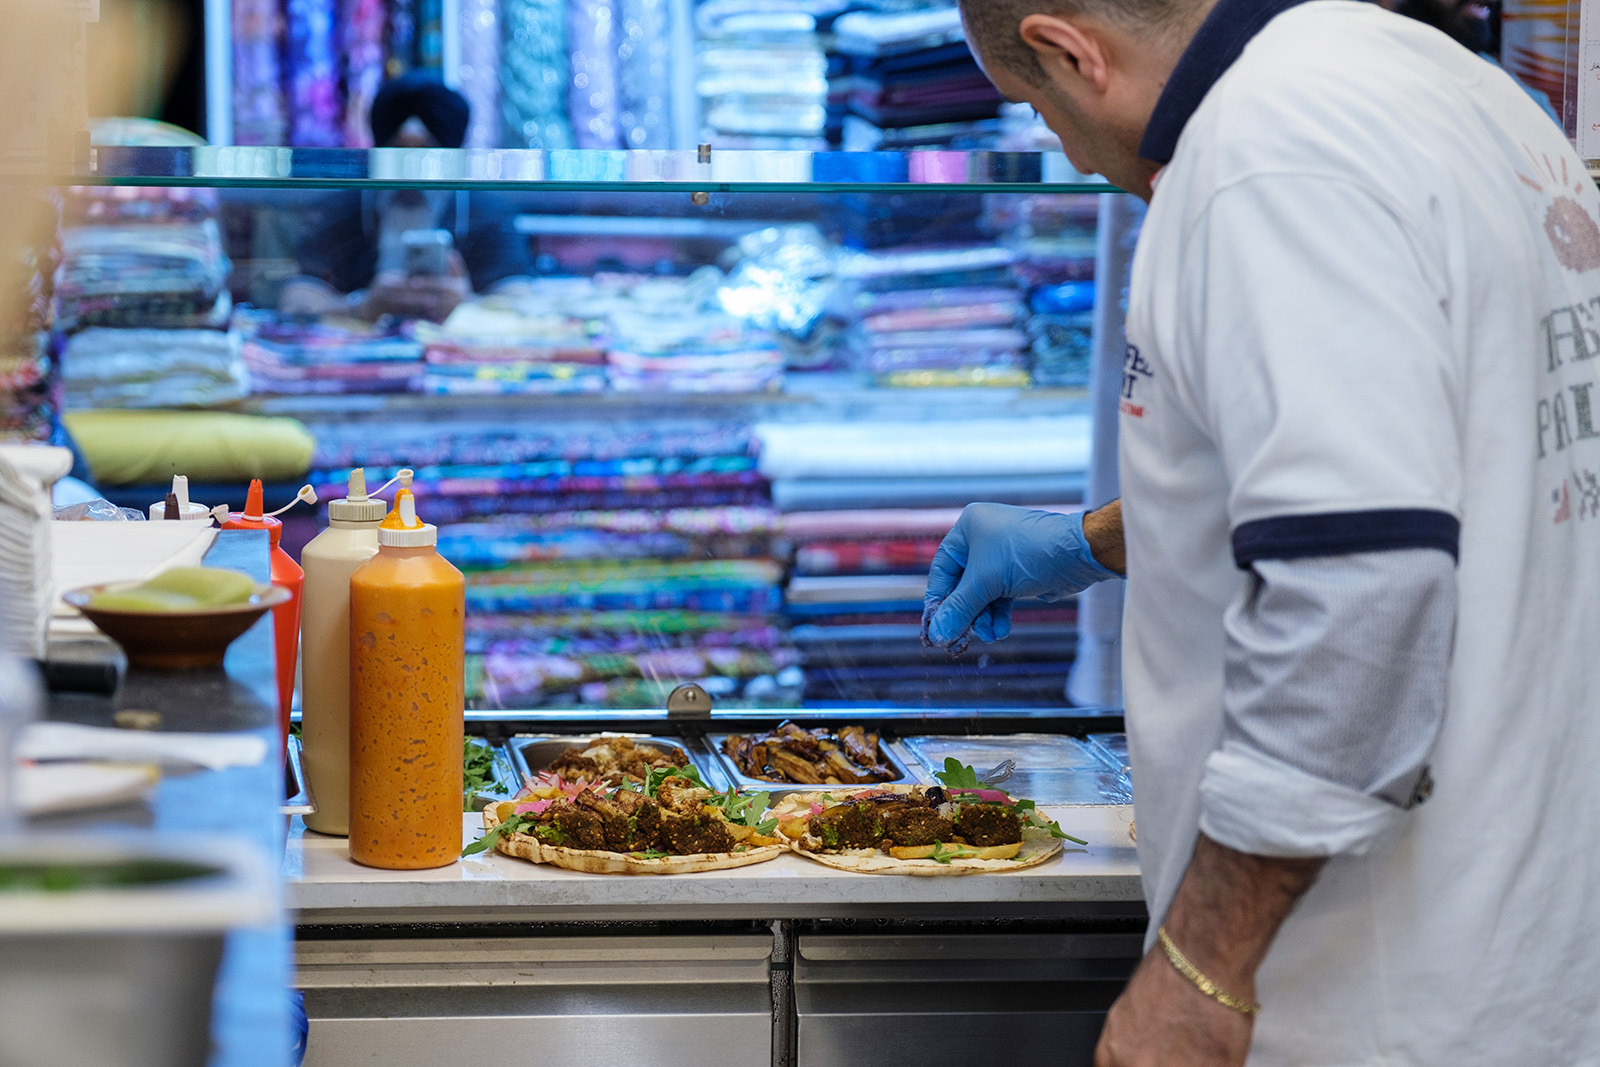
(1365,317)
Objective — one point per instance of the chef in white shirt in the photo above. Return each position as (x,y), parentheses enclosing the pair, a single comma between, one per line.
(1360,455)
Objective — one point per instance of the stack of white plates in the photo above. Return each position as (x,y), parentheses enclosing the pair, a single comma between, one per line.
(26,474)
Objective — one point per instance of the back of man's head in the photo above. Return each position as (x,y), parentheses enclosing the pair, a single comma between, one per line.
(992,25)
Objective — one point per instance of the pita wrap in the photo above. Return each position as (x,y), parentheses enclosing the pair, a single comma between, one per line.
(597,861)
(1038,845)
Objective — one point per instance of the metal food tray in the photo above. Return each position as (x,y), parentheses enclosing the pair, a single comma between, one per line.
(532,754)
(505,785)
(1050,768)
(736,777)
(297,799)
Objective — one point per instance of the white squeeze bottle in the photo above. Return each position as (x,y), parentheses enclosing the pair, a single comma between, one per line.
(332,556)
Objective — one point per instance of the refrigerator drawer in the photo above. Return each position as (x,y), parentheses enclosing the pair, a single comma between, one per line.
(957,998)
(579,1001)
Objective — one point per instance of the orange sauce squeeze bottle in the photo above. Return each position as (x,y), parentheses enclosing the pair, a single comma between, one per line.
(287,573)
(407,700)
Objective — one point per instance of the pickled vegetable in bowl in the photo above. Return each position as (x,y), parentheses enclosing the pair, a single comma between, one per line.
(185,617)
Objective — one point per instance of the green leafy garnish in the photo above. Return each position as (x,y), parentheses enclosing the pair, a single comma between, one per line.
(512,825)
(477,768)
(939,855)
(650,854)
(957,775)
(656,775)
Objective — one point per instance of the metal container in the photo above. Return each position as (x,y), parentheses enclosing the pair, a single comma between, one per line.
(109,949)
(1051,769)
(744,781)
(533,755)
(296,786)
(504,786)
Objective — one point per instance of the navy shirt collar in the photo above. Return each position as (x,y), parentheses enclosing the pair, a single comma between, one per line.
(1221,38)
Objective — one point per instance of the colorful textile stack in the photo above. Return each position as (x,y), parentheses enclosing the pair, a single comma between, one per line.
(827,466)
(937,317)
(669,351)
(906,79)
(141,295)
(762,72)
(598,572)
(501,346)
(855,605)
(297,358)
(30,387)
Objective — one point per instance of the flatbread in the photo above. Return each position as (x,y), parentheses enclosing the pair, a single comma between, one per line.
(599,861)
(1037,845)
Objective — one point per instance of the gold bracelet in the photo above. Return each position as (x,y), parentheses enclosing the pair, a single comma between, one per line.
(1181,963)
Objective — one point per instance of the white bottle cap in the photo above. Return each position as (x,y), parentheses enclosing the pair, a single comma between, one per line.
(357,506)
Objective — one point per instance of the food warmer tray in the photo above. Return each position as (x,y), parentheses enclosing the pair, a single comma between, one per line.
(734,776)
(531,755)
(1051,769)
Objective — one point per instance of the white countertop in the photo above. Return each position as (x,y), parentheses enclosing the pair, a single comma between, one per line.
(324,886)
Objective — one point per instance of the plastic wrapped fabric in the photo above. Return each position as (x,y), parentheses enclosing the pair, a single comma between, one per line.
(112,368)
(315,118)
(592,93)
(533,74)
(260,114)
(479,74)
(362,26)
(644,74)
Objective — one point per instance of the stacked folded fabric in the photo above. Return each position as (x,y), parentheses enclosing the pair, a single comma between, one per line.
(1062,332)
(161,274)
(596,570)
(817,466)
(296,358)
(139,368)
(937,317)
(503,346)
(905,79)
(27,471)
(762,72)
(142,294)
(855,603)
(706,352)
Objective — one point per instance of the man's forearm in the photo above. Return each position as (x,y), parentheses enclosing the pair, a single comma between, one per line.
(1102,528)
(1229,908)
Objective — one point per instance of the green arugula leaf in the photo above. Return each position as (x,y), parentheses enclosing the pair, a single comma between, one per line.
(766,826)
(939,855)
(657,775)
(650,854)
(957,775)
(492,838)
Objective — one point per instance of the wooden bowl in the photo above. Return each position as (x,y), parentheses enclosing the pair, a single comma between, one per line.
(167,640)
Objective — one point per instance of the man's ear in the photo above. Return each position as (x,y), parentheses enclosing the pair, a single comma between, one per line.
(1067,51)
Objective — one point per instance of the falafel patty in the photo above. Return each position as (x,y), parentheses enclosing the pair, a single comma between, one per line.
(984,825)
(917,826)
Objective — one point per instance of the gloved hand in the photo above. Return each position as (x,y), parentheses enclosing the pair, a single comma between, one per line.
(994,554)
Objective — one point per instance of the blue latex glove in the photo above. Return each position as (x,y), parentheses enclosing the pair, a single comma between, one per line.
(994,554)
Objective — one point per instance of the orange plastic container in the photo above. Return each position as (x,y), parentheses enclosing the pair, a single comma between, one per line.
(407,700)
(285,618)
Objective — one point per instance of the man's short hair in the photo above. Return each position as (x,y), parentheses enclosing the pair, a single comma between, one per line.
(992,26)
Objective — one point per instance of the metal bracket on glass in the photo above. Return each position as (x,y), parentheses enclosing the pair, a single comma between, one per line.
(689,702)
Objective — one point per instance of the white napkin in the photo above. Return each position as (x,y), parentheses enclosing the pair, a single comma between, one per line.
(70,741)
(49,788)
(89,553)
(26,474)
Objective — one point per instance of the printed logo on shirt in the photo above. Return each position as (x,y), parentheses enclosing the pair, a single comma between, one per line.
(1572,232)
(1135,369)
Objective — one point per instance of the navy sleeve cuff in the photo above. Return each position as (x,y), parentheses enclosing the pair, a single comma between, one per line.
(1339,533)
